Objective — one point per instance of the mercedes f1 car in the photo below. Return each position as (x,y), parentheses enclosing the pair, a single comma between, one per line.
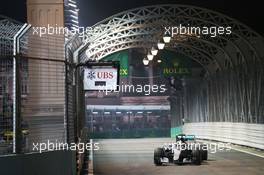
(184,150)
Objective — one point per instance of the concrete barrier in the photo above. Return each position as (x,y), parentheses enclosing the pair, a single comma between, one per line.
(47,163)
(251,135)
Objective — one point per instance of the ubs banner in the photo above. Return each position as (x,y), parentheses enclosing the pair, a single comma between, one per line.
(100,78)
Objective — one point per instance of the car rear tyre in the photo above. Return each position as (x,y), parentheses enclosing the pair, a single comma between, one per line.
(205,155)
(197,157)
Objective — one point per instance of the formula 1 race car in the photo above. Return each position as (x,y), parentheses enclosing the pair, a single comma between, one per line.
(184,150)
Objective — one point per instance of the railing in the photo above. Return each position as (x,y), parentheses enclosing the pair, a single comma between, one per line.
(251,135)
(37,92)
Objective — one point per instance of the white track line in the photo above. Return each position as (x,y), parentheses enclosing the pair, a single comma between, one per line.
(237,149)
(240,150)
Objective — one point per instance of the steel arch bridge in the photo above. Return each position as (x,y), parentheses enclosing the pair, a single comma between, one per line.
(144,26)
(231,91)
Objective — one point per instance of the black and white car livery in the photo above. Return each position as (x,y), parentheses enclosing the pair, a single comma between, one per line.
(184,150)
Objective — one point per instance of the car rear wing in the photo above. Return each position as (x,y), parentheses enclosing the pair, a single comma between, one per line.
(184,137)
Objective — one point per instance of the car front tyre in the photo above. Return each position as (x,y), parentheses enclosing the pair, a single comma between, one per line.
(158,154)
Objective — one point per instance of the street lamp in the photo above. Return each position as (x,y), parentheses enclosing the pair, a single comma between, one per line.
(154,51)
(150,56)
(166,38)
(145,61)
(161,45)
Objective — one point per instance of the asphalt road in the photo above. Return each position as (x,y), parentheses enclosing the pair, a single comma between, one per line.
(135,156)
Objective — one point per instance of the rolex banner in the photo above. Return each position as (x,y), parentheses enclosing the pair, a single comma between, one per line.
(122,58)
(174,64)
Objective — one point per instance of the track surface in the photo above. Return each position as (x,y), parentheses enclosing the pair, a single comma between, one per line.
(135,156)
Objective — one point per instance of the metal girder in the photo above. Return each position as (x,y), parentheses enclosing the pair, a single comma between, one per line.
(203,59)
(144,26)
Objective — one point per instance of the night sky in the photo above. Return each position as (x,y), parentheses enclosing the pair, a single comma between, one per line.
(92,11)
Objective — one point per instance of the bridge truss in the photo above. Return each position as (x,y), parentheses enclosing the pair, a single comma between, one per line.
(233,87)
